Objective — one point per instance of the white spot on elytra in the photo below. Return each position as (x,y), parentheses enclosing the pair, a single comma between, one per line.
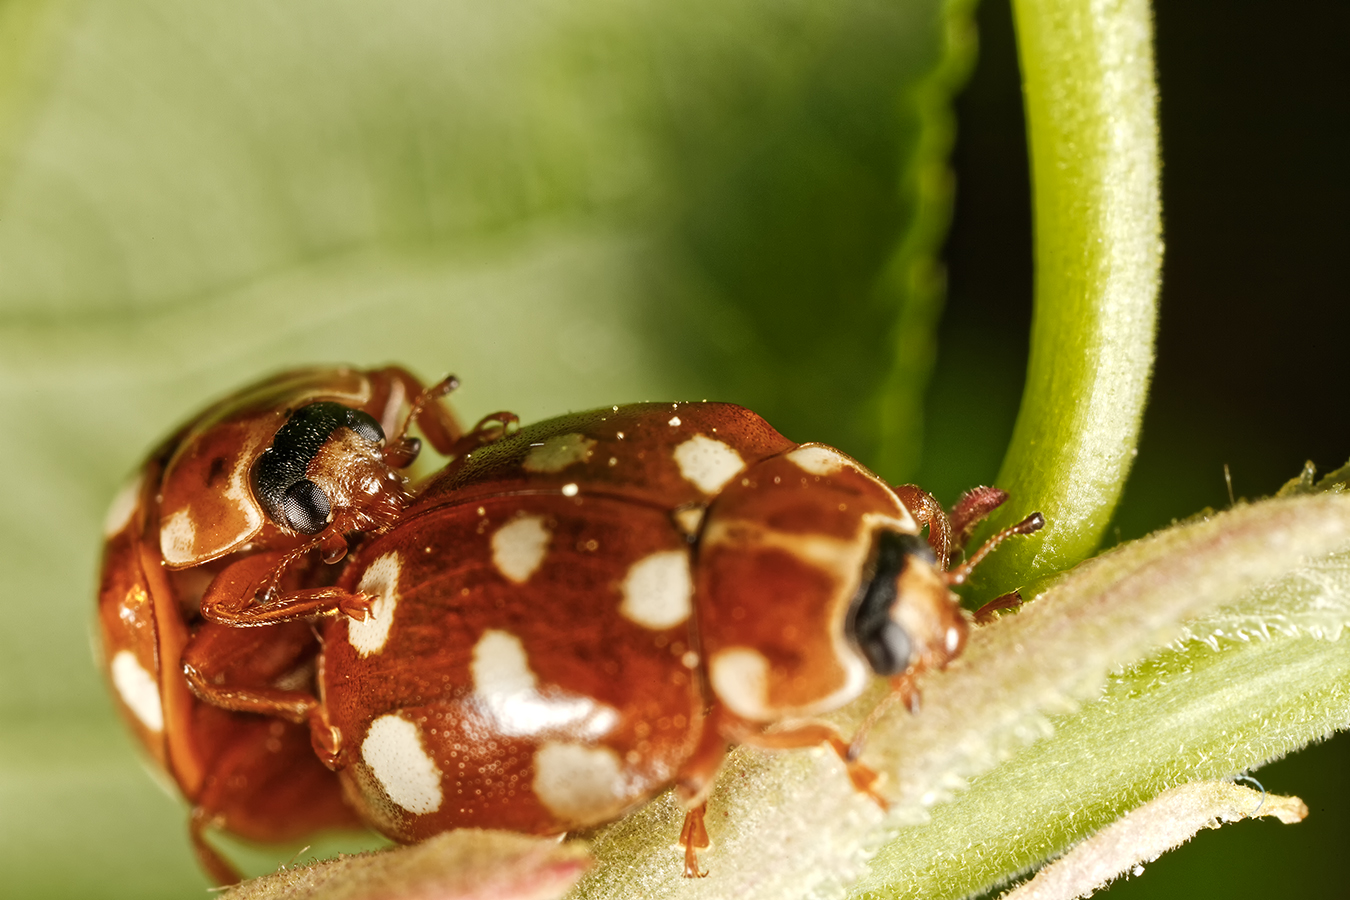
(393,750)
(381,582)
(674,422)
(558,452)
(178,538)
(740,679)
(137,689)
(658,590)
(519,547)
(817,459)
(953,639)
(123,505)
(688,519)
(709,464)
(508,693)
(500,665)
(578,784)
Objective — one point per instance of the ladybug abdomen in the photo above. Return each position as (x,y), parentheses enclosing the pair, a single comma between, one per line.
(527,666)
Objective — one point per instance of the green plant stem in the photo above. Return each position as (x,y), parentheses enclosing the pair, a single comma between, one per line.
(1092,127)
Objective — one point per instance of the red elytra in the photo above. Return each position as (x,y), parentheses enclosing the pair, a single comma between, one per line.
(572,619)
(194,502)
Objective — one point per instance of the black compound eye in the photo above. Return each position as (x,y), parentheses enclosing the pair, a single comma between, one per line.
(305,507)
(887,649)
(364,424)
(883,642)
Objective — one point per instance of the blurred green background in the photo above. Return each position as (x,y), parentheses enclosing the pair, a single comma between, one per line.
(571,205)
(1252,355)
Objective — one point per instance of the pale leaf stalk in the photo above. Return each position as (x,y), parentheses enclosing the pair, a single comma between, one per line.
(1142,835)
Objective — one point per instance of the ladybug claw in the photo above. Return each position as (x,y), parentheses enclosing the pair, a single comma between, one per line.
(358,607)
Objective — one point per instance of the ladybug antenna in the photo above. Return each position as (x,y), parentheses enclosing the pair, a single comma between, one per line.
(404,449)
(1032,523)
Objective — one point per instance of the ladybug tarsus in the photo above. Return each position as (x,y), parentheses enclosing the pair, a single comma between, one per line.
(693,838)
(1032,523)
(986,614)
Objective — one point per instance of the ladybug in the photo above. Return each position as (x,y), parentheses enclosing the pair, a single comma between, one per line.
(221,488)
(571,619)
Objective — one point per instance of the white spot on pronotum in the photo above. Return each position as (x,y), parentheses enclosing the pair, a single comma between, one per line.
(579,784)
(519,546)
(953,639)
(740,679)
(569,490)
(239,491)
(178,538)
(393,750)
(674,421)
(381,582)
(816,459)
(558,452)
(137,689)
(123,505)
(709,464)
(658,590)
(508,693)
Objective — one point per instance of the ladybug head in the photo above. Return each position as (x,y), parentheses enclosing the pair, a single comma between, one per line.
(812,576)
(325,468)
(904,614)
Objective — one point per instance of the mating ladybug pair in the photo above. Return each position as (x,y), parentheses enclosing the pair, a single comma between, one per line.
(563,622)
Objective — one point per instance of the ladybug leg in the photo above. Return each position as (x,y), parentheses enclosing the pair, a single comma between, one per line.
(239,669)
(490,428)
(1031,524)
(293,706)
(695,780)
(693,838)
(436,422)
(262,783)
(973,508)
(985,614)
(813,733)
(439,425)
(306,604)
(693,785)
(927,511)
(229,600)
(217,867)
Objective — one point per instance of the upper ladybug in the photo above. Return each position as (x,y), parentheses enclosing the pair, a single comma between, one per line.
(303,454)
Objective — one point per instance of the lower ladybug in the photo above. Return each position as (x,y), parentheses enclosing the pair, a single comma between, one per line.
(195,508)
(570,620)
